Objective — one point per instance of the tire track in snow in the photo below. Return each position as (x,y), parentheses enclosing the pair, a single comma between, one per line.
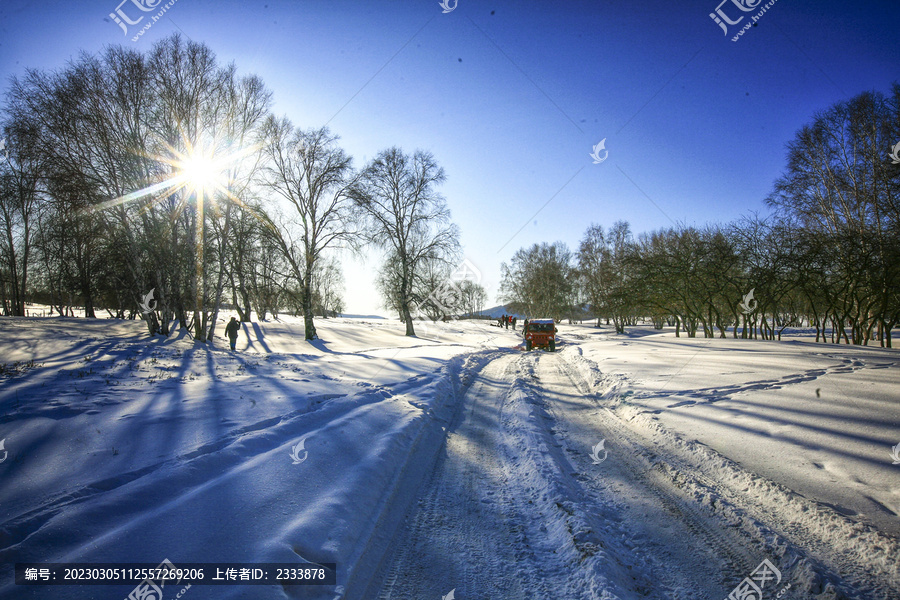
(515,509)
(683,552)
(456,537)
(504,515)
(710,395)
(832,557)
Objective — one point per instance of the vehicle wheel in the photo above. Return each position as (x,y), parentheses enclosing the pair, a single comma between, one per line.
(527,345)
(552,345)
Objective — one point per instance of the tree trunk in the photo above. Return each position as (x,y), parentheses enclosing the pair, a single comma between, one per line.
(88,299)
(408,318)
(307,302)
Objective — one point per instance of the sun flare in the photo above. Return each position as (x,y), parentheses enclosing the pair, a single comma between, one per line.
(201,173)
(196,170)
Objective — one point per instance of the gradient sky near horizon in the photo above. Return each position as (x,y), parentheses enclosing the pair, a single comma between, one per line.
(512,96)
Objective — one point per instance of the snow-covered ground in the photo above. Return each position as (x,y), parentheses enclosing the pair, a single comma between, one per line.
(452,461)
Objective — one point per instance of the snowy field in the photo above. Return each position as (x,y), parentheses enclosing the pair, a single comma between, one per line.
(452,461)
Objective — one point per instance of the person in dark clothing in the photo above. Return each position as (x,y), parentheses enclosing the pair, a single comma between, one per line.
(514,323)
(506,321)
(231,330)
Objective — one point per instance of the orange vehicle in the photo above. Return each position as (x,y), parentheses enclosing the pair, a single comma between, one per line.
(540,333)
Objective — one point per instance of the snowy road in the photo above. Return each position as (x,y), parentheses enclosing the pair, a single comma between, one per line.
(452,461)
(460,530)
(517,507)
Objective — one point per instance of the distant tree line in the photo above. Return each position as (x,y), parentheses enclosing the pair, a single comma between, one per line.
(126,171)
(827,257)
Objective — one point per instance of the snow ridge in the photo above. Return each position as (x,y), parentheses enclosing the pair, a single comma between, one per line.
(776,518)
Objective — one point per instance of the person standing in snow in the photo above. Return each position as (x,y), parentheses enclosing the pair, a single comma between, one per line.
(231,330)
(514,319)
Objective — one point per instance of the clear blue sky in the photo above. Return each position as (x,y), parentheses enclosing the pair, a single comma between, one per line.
(511,96)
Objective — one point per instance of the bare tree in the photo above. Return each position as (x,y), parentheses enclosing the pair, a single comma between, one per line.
(540,279)
(328,286)
(247,104)
(20,175)
(604,274)
(308,170)
(473,297)
(118,133)
(206,113)
(409,219)
(841,184)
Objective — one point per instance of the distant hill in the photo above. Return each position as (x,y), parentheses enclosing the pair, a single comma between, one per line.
(497,312)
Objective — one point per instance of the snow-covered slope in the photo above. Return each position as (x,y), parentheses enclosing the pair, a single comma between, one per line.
(130,449)
(124,448)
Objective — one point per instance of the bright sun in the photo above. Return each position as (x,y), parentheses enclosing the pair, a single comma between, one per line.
(200,173)
(196,170)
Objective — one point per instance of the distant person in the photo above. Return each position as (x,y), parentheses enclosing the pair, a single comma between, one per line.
(231,330)
(514,323)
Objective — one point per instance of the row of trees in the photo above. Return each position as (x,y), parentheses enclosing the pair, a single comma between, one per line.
(127,172)
(828,256)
